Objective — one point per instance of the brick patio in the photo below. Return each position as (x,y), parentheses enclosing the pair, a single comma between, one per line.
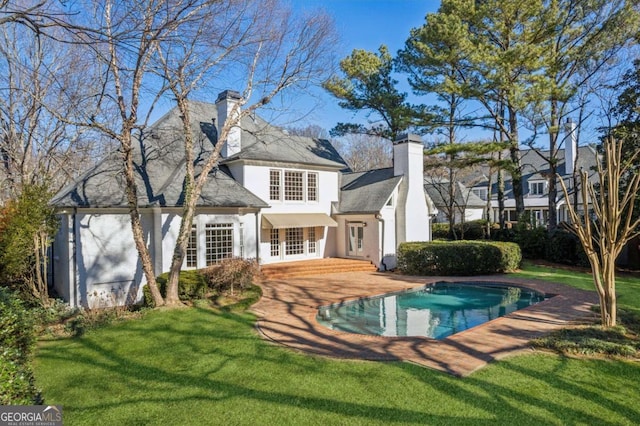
(288,309)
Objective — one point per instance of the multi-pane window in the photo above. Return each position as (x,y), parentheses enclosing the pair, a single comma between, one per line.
(218,242)
(312,240)
(536,188)
(312,186)
(192,248)
(275,242)
(294,241)
(274,184)
(293,186)
(481,193)
(241,237)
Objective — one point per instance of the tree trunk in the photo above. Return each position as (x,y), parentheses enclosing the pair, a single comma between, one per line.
(608,302)
(553,168)
(179,252)
(516,171)
(136,224)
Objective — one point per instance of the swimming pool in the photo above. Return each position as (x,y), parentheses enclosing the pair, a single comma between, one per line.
(437,310)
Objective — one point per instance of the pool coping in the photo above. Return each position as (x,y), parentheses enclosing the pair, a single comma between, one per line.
(288,307)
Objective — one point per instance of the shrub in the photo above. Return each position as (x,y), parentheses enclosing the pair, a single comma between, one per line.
(17,327)
(17,384)
(191,284)
(565,247)
(473,230)
(230,274)
(17,338)
(27,225)
(458,257)
(440,231)
(533,242)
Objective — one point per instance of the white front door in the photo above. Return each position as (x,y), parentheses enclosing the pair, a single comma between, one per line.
(355,237)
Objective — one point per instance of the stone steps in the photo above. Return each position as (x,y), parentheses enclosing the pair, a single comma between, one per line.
(315,267)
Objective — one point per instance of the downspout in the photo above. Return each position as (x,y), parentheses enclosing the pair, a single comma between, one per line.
(381,220)
(73,296)
(258,237)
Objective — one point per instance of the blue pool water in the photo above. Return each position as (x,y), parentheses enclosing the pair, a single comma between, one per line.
(438,310)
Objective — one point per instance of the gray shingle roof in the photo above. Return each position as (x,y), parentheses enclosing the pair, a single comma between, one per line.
(535,167)
(159,161)
(438,191)
(263,142)
(366,192)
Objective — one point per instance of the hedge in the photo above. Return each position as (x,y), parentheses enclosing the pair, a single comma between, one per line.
(458,257)
(17,339)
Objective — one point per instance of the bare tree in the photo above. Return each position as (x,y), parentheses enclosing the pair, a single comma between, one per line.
(364,152)
(156,49)
(38,75)
(292,55)
(603,236)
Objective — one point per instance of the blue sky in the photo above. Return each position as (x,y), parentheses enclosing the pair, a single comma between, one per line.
(361,24)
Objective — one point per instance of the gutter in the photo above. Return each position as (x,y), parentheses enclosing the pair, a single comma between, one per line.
(381,220)
(73,277)
(258,237)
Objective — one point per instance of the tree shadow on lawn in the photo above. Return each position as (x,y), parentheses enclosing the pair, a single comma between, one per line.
(516,398)
(141,378)
(153,384)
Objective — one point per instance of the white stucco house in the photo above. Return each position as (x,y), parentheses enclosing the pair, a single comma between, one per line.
(274,197)
(466,205)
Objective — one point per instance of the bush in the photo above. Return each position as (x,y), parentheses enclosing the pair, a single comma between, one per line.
(440,231)
(458,257)
(27,225)
(565,247)
(473,230)
(230,274)
(17,338)
(191,285)
(533,242)
(17,327)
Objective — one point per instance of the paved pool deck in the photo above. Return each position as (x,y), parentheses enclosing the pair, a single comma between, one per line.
(288,307)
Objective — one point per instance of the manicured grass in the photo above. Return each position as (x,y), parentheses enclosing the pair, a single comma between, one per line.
(627,285)
(200,366)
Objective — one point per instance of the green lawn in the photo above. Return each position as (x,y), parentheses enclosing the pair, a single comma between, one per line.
(196,366)
(627,285)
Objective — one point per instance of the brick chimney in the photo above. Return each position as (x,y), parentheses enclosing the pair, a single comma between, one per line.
(224,104)
(412,214)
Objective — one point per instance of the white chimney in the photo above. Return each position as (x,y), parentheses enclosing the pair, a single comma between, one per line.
(225,104)
(412,214)
(570,146)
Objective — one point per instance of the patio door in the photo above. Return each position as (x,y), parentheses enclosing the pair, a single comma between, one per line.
(355,239)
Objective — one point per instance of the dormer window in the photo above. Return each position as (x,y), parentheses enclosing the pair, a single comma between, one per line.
(481,193)
(537,188)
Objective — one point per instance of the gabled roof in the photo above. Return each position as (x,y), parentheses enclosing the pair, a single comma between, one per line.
(366,192)
(438,191)
(159,163)
(263,142)
(536,168)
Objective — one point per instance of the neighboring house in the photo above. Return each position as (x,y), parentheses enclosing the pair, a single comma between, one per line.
(274,197)
(535,181)
(466,206)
